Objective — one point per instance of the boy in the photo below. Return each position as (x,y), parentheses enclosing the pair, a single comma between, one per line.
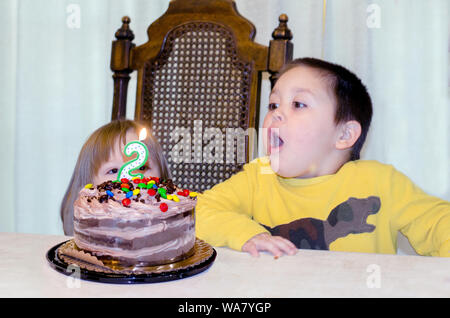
(312,191)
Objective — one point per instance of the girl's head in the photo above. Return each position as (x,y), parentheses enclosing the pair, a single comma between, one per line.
(101,158)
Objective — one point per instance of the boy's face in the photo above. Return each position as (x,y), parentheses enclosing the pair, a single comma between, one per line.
(109,169)
(301,132)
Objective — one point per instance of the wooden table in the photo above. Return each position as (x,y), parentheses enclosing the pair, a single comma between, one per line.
(25,272)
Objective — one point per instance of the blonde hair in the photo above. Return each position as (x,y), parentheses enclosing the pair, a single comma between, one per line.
(95,151)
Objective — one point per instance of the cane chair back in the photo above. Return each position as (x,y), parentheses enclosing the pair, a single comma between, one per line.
(198,85)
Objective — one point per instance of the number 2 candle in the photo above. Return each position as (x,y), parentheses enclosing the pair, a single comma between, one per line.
(131,148)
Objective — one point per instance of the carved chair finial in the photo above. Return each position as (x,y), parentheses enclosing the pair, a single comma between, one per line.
(125,33)
(282,32)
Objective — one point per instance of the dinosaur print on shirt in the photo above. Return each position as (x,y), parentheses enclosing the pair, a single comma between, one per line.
(349,217)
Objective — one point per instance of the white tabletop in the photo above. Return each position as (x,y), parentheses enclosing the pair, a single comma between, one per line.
(25,272)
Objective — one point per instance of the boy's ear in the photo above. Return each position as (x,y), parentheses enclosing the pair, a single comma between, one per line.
(348,134)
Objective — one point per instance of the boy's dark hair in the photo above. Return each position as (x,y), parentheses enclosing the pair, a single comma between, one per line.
(352,99)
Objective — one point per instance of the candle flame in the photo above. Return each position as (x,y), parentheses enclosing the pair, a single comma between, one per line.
(143,134)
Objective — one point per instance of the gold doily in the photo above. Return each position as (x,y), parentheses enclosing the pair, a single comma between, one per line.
(70,253)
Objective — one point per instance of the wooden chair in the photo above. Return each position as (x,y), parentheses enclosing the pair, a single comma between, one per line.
(198,85)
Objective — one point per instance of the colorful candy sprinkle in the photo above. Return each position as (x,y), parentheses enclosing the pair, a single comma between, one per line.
(162,193)
(133,189)
(163,207)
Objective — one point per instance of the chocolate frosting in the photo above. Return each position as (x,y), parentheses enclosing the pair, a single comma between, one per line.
(138,231)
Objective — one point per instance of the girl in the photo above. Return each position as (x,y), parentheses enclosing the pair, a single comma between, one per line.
(102,156)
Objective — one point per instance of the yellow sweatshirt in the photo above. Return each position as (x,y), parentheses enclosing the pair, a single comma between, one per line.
(360,208)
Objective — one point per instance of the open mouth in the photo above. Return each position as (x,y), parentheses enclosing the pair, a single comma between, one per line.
(275,141)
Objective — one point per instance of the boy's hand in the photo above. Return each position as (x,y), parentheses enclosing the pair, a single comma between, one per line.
(276,245)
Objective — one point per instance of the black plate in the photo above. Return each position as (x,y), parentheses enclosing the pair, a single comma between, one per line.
(63,267)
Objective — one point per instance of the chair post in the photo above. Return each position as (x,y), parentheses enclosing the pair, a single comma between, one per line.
(280,48)
(120,65)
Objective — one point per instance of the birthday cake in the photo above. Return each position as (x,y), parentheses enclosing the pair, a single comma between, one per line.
(139,222)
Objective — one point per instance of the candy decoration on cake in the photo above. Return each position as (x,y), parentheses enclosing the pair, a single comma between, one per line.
(136,221)
(131,148)
(134,189)
(163,207)
(126,202)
